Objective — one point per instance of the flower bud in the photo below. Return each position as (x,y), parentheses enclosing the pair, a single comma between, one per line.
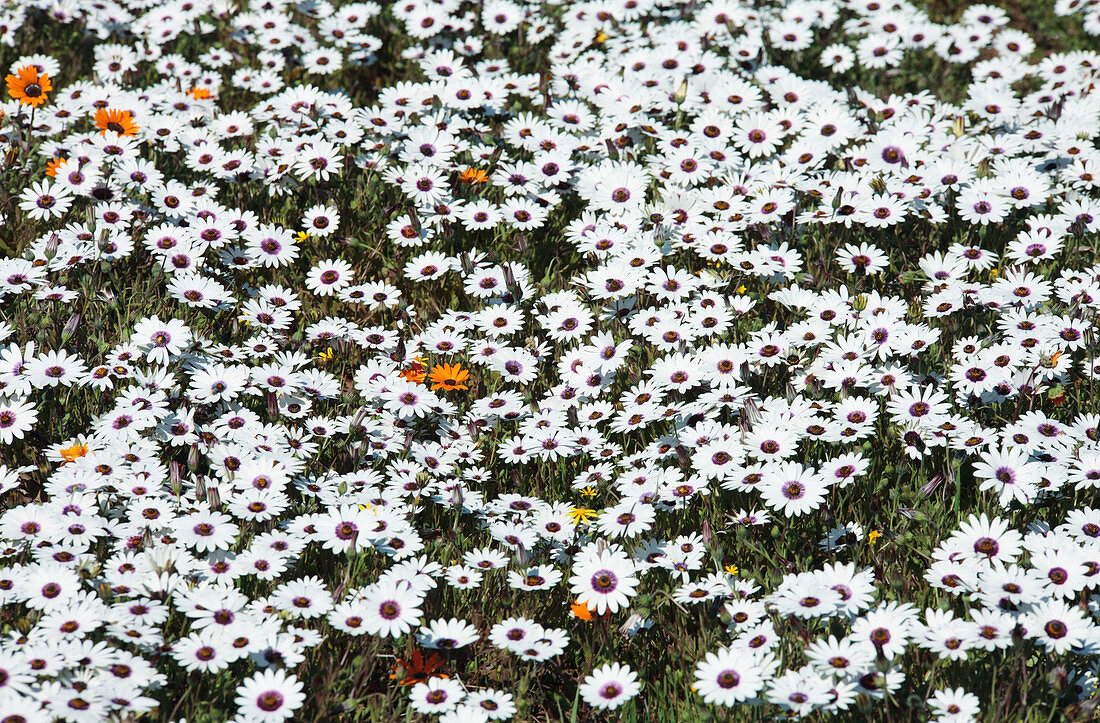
(681,93)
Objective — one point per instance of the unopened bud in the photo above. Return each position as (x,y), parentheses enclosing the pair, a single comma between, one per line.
(214,497)
(70,327)
(522,556)
(681,93)
(200,487)
(683,456)
(1058,679)
(510,283)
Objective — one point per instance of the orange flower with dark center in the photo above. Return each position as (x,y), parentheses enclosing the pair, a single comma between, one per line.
(417,670)
(28,87)
(449,377)
(474,175)
(200,93)
(119,121)
(415,371)
(55,165)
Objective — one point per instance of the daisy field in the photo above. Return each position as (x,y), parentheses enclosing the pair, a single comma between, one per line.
(549,361)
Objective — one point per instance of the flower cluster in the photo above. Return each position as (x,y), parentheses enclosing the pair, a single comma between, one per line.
(605,325)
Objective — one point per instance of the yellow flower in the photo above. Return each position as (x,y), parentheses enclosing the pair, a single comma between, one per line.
(873,535)
(589,491)
(302,237)
(601,37)
(741,289)
(366,506)
(732,570)
(325,356)
(580,515)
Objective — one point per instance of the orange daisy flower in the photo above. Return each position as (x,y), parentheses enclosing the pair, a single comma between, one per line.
(580,610)
(449,377)
(415,372)
(417,670)
(28,87)
(474,175)
(71,454)
(119,121)
(55,165)
(200,93)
